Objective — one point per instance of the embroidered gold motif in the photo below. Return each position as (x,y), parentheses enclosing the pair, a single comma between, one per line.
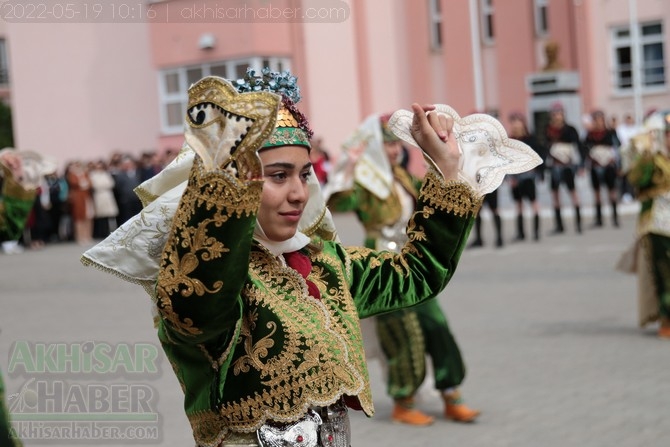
(452,196)
(303,351)
(188,244)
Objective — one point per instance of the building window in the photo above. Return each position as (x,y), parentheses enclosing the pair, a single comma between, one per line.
(486,8)
(541,21)
(650,47)
(174,84)
(435,19)
(4,67)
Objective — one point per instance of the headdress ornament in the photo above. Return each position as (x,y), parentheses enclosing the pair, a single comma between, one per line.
(292,127)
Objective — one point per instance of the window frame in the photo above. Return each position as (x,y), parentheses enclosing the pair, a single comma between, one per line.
(621,40)
(486,13)
(435,24)
(4,62)
(541,17)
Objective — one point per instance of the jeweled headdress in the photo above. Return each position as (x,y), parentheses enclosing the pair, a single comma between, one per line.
(292,128)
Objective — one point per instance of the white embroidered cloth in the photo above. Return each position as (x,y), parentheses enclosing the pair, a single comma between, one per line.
(488,153)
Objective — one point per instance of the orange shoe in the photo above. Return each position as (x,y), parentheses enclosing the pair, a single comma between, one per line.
(456,410)
(664,332)
(404,413)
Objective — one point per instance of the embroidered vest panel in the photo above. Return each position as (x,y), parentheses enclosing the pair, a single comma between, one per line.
(298,351)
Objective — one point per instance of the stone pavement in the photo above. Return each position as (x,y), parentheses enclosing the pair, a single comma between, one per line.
(548,330)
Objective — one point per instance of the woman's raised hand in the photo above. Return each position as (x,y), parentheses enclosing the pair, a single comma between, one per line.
(434,134)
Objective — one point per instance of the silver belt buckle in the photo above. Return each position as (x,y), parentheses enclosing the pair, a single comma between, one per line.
(302,433)
(335,430)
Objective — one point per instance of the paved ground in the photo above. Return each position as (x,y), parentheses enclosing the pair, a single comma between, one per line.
(548,330)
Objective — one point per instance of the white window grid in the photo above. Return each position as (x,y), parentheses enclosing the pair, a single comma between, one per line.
(652,70)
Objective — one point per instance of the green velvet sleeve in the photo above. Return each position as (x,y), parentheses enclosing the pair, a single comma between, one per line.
(640,174)
(16,203)
(345,201)
(205,261)
(382,281)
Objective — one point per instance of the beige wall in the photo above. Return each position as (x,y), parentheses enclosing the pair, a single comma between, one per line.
(82,90)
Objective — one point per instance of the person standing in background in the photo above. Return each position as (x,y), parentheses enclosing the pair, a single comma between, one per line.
(104,202)
(566,157)
(79,199)
(600,142)
(523,185)
(126,179)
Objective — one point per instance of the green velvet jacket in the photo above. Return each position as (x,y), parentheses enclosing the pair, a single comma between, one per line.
(245,339)
(15,205)
(650,176)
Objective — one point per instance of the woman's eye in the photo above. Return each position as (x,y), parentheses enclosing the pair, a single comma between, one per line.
(306,175)
(278,176)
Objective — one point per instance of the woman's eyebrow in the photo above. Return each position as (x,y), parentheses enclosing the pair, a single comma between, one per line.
(286,165)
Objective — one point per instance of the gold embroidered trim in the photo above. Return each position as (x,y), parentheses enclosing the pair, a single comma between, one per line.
(216,364)
(452,196)
(145,196)
(321,355)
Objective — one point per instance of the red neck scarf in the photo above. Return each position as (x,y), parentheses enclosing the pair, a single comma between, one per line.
(301,263)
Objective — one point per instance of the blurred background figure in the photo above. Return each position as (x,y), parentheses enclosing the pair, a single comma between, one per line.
(81,204)
(601,144)
(320,160)
(148,166)
(625,130)
(647,163)
(126,179)
(104,202)
(491,201)
(16,200)
(523,185)
(565,158)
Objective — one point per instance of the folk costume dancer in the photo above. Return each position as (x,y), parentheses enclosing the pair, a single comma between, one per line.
(646,160)
(566,157)
(19,189)
(258,306)
(371,182)
(600,143)
(523,185)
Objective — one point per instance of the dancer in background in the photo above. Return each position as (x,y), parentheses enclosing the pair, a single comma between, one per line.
(523,185)
(600,142)
(566,157)
(407,336)
(646,160)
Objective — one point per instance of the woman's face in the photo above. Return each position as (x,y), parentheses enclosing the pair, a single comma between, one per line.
(285,171)
(517,128)
(393,150)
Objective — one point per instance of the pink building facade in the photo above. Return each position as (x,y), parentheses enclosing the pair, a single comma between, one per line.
(84,90)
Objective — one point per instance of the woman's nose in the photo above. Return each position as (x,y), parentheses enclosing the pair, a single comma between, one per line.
(299,192)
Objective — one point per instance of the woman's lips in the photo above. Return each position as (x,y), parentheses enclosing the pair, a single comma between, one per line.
(292,216)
